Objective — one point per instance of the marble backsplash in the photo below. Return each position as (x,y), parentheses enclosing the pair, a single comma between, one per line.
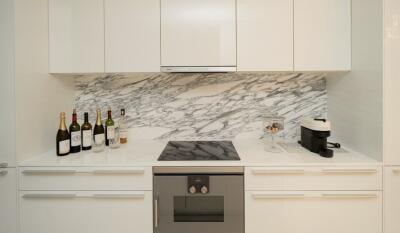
(200,106)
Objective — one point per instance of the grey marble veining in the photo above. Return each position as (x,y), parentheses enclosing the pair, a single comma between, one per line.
(203,106)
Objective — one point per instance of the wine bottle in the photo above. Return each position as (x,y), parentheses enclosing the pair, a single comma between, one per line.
(86,133)
(110,128)
(63,141)
(75,131)
(98,133)
(123,131)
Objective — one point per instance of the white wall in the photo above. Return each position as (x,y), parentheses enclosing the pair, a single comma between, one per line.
(7,103)
(39,96)
(355,99)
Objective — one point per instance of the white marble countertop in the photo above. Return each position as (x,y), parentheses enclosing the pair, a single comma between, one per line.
(252,153)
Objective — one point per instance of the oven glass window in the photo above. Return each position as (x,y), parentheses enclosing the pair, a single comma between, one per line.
(198,209)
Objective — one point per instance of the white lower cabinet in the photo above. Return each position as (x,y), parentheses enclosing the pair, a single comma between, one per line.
(392,199)
(313,211)
(86,212)
(8,200)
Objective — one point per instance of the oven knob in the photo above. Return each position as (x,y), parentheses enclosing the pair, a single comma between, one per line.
(192,190)
(204,190)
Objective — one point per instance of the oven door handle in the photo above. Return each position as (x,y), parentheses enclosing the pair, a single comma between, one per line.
(156,215)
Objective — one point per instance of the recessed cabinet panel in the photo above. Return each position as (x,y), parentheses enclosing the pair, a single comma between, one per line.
(322,35)
(76,36)
(86,212)
(265,35)
(313,211)
(8,200)
(198,33)
(132,35)
(392,199)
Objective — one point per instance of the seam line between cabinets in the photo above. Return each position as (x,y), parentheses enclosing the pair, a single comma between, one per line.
(48,37)
(104,36)
(160,23)
(293,32)
(236,33)
(351,33)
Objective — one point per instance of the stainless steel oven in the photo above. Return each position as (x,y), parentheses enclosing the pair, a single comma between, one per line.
(198,200)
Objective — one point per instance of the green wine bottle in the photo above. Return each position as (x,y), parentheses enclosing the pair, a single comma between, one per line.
(110,128)
(86,133)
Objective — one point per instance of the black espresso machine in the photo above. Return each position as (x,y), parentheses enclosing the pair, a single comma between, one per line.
(314,136)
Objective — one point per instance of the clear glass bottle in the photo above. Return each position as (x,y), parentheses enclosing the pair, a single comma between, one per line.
(123,130)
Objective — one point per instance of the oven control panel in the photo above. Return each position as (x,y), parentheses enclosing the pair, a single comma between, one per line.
(198,184)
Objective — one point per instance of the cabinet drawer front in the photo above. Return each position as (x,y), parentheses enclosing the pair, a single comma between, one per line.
(86,178)
(8,200)
(313,211)
(313,178)
(91,211)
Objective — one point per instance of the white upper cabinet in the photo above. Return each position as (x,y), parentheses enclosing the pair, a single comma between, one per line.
(121,36)
(265,35)
(76,36)
(392,83)
(322,35)
(198,33)
(132,36)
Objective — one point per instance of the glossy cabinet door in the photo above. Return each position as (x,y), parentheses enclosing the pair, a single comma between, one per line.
(322,35)
(391,82)
(76,36)
(392,199)
(198,33)
(86,212)
(8,200)
(313,211)
(265,35)
(132,36)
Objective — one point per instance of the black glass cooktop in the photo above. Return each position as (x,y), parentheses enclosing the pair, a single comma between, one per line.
(199,150)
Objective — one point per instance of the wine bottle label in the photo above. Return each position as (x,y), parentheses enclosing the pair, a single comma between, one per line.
(63,146)
(99,139)
(87,138)
(110,132)
(75,138)
(123,134)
